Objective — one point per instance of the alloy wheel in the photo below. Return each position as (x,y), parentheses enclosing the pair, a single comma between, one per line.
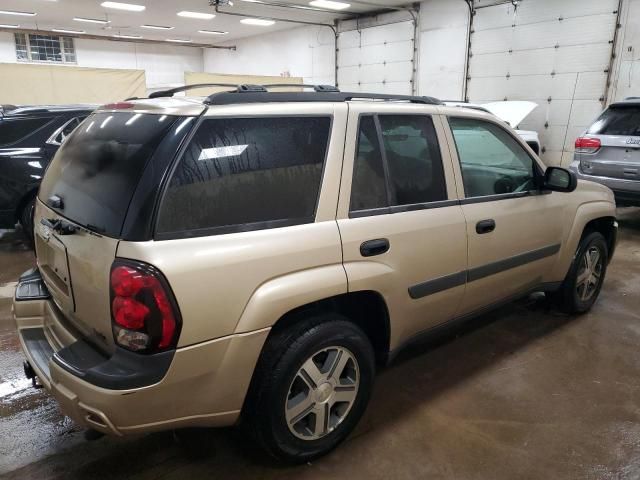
(322,393)
(590,273)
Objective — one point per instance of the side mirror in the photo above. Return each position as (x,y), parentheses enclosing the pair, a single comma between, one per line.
(559,180)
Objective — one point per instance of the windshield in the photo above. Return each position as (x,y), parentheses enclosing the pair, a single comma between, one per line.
(618,120)
(98,167)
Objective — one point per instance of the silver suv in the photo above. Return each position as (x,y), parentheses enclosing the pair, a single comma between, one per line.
(253,257)
(609,151)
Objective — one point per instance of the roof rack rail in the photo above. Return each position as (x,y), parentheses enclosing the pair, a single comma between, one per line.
(228,98)
(316,88)
(237,88)
(632,98)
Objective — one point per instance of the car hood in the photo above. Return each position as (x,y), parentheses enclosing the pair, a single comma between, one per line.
(512,112)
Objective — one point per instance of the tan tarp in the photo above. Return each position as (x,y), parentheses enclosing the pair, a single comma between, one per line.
(56,84)
(191,78)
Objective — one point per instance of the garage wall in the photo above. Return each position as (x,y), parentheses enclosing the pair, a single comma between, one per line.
(626,78)
(555,53)
(306,52)
(164,65)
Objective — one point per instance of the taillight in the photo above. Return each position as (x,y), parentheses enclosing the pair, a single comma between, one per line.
(118,106)
(144,313)
(587,145)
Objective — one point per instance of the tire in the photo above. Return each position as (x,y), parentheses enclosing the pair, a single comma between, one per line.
(280,393)
(26,219)
(574,295)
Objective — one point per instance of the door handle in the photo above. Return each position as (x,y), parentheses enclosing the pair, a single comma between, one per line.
(485,226)
(374,247)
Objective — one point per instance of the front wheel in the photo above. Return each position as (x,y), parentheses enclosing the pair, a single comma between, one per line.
(311,387)
(583,283)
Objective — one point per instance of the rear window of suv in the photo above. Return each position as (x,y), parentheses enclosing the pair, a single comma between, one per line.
(240,174)
(98,167)
(12,130)
(618,120)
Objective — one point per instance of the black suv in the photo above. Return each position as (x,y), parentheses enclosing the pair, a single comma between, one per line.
(29,137)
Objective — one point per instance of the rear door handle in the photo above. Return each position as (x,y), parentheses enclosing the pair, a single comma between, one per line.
(485,226)
(374,247)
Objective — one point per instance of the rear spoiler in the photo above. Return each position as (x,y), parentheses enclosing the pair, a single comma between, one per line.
(6,108)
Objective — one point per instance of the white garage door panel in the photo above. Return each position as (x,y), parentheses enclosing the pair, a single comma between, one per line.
(394,32)
(377,59)
(545,49)
(584,112)
(530,11)
(523,88)
(572,31)
(537,11)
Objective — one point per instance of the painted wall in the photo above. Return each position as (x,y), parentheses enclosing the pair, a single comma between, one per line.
(306,52)
(626,73)
(164,65)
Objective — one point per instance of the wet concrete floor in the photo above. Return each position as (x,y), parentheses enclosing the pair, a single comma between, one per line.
(523,392)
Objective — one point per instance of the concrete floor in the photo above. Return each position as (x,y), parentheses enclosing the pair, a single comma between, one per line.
(524,392)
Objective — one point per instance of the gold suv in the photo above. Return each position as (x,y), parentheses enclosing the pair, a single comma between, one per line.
(254,256)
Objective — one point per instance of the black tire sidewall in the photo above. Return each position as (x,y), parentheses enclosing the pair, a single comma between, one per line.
(26,218)
(344,334)
(572,302)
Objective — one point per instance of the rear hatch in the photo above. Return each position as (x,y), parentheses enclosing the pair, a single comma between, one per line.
(83,201)
(618,130)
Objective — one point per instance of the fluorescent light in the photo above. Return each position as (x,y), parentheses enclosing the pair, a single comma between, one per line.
(177,40)
(331,5)
(157,27)
(12,12)
(9,26)
(259,22)
(64,30)
(128,36)
(222,152)
(198,15)
(124,6)
(212,32)
(106,120)
(91,20)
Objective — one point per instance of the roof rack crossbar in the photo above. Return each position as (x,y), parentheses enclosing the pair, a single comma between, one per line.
(227,98)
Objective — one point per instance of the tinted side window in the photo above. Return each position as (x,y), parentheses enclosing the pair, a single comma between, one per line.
(368,188)
(238,173)
(66,130)
(13,130)
(618,121)
(492,161)
(413,157)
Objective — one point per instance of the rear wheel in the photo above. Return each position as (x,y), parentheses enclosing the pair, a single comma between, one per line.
(583,283)
(312,385)
(26,219)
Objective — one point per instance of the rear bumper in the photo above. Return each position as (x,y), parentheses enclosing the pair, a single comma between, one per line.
(202,385)
(627,192)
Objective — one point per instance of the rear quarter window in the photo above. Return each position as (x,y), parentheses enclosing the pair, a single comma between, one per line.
(242,174)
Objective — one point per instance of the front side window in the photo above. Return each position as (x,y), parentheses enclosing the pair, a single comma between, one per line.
(492,161)
(406,169)
(246,174)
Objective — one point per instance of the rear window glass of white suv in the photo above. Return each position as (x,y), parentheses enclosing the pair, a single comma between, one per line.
(99,165)
(240,174)
(618,120)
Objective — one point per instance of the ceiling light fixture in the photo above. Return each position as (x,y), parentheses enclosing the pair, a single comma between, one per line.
(128,36)
(259,22)
(177,40)
(91,20)
(157,27)
(9,26)
(64,30)
(331,5)
(13,12)
(131,7)
(198,15)
(212,32)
